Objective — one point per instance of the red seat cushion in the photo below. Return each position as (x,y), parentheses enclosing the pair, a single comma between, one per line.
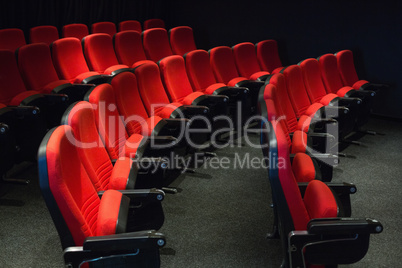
(320,201)
(108,213)
(119,178)
(303,168)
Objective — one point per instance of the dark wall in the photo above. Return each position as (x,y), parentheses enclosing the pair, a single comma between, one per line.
(371,29)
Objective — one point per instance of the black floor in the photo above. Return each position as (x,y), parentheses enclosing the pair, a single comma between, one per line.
(222,215)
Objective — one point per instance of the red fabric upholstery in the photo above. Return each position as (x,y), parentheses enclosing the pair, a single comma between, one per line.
(108,213)
(36,67)
(174,76)
(268,56)
(110,125)
(330,75)
(77,30)
(223,64)
(199,70)
(106,27)
(130,105)
(11,39)
(43,34)
(154,23)
(12,88)
(182,40)
(290,189)
(156,44)
(120,173)
(152,91)
(319,201)
(69,60)
(129,49)
(303,168)
(130,25)
(70,185)
(297,92)
(90,147)
(99,53)
(299,142)
(246,61)
(313,82)
(347,70)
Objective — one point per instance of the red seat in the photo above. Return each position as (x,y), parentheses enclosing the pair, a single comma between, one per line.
(11,38)
(225,71)
(154,23)
(36,67)
(346,68)
(309,218)
(130,25)
(247,63)
(80,216)
(156,44)
(77,30)
(182,40)
(129,49)
(69,61)
(100,55)
(106,27)
(43,34)
(268,56)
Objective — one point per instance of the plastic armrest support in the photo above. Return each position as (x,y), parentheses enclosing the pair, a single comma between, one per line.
(333,226)
(142,195)
(194,110)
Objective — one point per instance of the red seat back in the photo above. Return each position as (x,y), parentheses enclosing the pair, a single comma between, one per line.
(128,47)
(36,66)
(199,69)
(296,90)
(110,125)
(11,39)
(346,67)
(43,34)
(246,59)
(150,87)
(174,77)
(106,27)
(312,79)
(77,30)
(329,73)
(182,40)
(154,23)
(11,83)
(223,64)
(129,103)
(156,44)
(130,25)
(68,58)
(268,56)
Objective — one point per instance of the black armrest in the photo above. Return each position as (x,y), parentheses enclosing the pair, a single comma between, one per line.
(216,99)
(162,140)
(336,187)
(335,226)
(335,111)
(349,101)
(232,92)
(252,85)
(318,125)
(361,94)
(97,79)
(190,110)
(374,87)
(141,195)
(55,98)
(113,245)
(175,122)
(75,92)
(22,111)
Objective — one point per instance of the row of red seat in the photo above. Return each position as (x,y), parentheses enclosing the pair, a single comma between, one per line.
(13,38)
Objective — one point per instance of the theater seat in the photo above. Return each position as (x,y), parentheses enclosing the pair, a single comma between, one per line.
(154,23)
(346,68)
(91,228)
(129,49)
(77,30)
(11,38)
(106,27)
(43,34)
(245,57)
(156,44)
(313,219)
(268,56)
(69,61)
(182,40)
(37,69)
(100,55)
(130,25)
(225,71)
